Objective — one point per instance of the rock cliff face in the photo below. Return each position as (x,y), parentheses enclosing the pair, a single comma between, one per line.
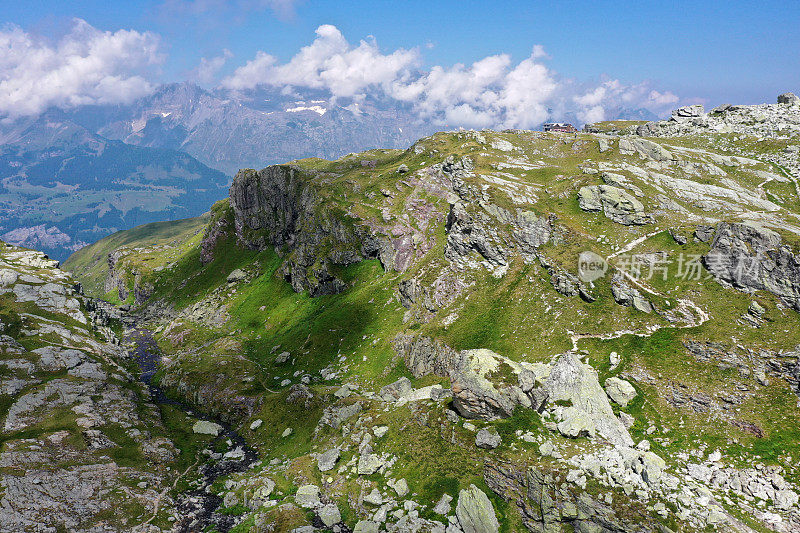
(279,206)
(751,258)
(125,281)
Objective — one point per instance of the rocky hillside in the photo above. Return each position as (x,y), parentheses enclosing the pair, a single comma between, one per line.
(500,331)
(81,446)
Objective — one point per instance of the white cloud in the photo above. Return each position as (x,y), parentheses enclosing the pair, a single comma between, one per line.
(87,66)
(206,71)
(254,72)
(491,92)
(329,62)
(594,102)
(595,113)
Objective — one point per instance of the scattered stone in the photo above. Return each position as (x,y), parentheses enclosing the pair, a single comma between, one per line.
(576,423)
(380,431)
(475,512)
(237,275)
(619,390)
(678,237)
(374,497)
(369,463)
(256,424)
(205,427)
(704,233)
(547,448)
(756,309)
(330,515)
(326,461)
(786,499)
(443,507)
(366,526)
(282,358)
(342,392)
(396,390)
(400,486)
(307,496)
(262,493)
(487,440)
(286,432)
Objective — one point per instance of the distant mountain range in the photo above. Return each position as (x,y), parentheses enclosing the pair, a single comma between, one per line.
(63,186)
(68,178)
(228,131)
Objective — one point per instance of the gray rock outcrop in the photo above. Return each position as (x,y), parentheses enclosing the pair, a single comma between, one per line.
(629,296)
(475,512)
(487,439)
(619,390)
(751,257)
(571,381)
(280,206)
(617,204)
(66,475)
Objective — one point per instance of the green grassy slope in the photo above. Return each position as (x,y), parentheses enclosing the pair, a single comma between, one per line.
(90,264)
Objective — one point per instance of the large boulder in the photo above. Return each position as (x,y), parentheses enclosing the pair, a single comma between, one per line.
(576,383)
(205,427)
(576,423)
(307,496)
(475,512)
(689,111)
(789,98)
(629,296)
(330,515)
(619,390)
(617,204)
(488,386)
(396,390)
(326,461)
(751,257)
(487,439)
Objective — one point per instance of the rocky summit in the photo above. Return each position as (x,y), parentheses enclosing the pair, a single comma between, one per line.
(489,331)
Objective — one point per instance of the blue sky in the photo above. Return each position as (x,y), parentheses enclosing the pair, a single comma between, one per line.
(709,52)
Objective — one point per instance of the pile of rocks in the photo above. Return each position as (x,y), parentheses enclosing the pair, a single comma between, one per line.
(780,120)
